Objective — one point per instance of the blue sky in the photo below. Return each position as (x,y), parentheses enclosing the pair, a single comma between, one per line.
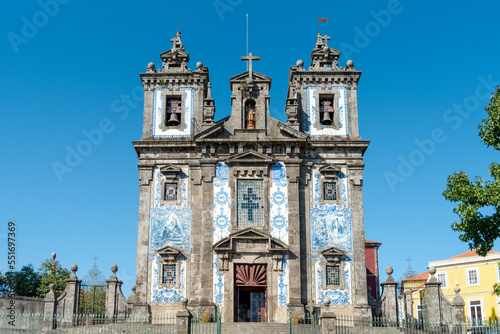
(71,67)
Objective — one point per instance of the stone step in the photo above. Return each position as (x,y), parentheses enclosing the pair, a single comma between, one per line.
(255,327)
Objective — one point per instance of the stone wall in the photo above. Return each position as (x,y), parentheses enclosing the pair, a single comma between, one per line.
(23,306)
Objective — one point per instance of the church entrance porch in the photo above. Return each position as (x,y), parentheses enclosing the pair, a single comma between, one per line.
(250,302)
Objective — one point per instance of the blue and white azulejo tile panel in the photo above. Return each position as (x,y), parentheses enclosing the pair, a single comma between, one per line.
(312,113)
(158,115)
(222,223)
(283,284)
(170,225)
(279,223)
(331,226)
(279,202)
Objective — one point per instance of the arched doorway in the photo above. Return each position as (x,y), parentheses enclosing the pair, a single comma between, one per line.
(250,293)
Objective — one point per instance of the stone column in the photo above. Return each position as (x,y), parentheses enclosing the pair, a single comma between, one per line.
(71,297)
(112,293)
(145,183)
(49,308)
(361,298)
(432,287)
(294,235)
(390,297)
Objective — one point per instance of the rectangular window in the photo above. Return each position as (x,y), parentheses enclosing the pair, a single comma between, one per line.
(472,277)
(475,311)
(330,191)
(169,274)
(170,193)
(250,203)
(442,277)
(332,275)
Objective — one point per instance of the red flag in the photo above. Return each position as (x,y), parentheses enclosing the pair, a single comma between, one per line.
(322,20)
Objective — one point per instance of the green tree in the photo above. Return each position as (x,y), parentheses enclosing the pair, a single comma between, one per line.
(24,282)
(51,272)
(477,229)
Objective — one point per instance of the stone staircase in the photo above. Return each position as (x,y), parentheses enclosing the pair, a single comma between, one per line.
(255,327)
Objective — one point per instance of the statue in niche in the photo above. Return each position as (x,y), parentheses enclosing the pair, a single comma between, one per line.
(250,115)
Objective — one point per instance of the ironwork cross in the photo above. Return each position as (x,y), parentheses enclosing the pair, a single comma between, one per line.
(95,260)
(250,205)
(250,58)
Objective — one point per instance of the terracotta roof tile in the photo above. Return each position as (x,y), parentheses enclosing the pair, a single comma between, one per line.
(420,277)
(371,242)
(471,253)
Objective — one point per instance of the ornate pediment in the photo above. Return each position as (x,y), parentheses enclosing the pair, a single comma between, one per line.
(171,172)
(250,241)
(330,171)
(169,253)
(251,157)
(256,76)
(333,254)
(213,131)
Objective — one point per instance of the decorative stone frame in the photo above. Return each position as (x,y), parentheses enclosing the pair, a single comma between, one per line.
(333,258)
(250,165)
(332,95)
(169,94)
(330,174)
(169,256)
(170,175)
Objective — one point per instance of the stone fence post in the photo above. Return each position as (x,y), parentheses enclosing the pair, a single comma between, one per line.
(183,319)
(72,294)
(389,299)
(328,319)
(458,312)
(433,291)
(49,308)
(116,304)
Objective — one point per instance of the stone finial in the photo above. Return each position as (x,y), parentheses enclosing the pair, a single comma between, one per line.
(432,272)
(389,272)
(53,256)
(114,269)
(326,302)
(184,302)
(199,66)
(300,63)
(456,289)
(51,286)
(74,269)
(151,67)
(349,65)
(209,90)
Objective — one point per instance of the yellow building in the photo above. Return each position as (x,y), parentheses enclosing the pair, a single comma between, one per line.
(475,275)
(411,287)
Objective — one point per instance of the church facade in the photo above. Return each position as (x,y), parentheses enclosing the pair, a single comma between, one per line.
(248,214)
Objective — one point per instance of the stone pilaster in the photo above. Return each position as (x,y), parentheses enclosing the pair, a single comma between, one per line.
(361,297)
(328,320)
(145,183)
(294,233)
(148,113)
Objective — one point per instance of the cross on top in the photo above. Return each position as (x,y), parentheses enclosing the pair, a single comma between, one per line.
(250,58)
(95,260)
(326,39)
(249,197)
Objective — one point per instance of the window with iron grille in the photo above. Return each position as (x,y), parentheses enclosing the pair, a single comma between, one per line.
(170,193)
(250,203)
(169,274)
(332,276)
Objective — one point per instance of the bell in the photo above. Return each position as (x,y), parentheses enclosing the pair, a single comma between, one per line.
(326,118)
(174,118)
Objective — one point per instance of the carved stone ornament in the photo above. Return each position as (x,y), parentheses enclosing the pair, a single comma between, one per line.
(170,172)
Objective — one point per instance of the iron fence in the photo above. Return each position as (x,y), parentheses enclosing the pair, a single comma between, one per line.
(304,323)
(206,323)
